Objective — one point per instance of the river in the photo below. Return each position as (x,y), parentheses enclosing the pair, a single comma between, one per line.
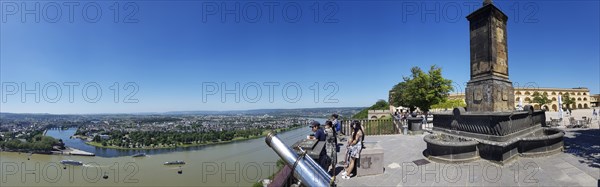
(233,164)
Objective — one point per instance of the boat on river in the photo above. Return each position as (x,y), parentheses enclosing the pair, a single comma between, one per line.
(71,162)
(177,162)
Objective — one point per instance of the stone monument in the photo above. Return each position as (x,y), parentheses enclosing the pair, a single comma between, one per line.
(489,88)
(489,127)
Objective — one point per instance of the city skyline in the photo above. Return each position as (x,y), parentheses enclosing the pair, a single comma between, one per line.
(180,56)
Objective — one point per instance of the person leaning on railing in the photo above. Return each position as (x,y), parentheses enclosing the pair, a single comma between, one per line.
(320,136)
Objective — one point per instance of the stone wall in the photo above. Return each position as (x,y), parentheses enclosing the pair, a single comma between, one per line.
(377,114)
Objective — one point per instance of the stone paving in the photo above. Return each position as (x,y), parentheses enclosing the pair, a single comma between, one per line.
(578,165)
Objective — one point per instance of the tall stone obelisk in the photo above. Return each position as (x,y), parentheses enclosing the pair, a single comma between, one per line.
(489,89)
(490,128)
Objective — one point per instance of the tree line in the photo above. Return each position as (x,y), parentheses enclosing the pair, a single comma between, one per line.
(35,142)
(141,139)
(542,99)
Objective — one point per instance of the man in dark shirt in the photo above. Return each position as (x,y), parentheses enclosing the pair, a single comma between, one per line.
(319,133)
(321,136)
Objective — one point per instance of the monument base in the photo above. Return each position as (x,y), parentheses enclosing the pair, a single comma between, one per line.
(498,137)
(490,94)
(371,160)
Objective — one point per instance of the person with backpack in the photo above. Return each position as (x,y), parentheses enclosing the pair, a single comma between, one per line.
(331,146)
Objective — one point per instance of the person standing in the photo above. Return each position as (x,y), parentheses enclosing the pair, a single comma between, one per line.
(595,114)
(397,118)
(320,136)
(331,146)
(336,123)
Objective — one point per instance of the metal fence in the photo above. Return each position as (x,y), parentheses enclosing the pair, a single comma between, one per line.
(373,127)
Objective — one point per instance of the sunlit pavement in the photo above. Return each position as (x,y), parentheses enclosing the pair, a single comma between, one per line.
(578,165)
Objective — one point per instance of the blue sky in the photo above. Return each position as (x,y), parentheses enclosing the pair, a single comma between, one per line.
(164,52)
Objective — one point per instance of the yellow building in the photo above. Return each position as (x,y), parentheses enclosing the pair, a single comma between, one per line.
(595,100)
(582,96)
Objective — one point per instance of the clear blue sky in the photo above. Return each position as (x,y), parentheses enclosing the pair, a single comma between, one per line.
(364,47)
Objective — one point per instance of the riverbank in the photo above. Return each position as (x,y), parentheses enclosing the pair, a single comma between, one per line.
(26,151)
(67,151)
(73,151)
(237,139)
(254,159)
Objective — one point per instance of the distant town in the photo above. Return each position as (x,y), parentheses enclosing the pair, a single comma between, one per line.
(169,132)
(24,132)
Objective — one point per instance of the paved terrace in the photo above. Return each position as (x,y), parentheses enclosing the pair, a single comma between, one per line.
(578,165)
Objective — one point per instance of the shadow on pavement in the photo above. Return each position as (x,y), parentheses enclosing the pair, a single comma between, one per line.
(584,144)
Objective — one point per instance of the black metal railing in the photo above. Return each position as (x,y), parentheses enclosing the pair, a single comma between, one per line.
(373,127)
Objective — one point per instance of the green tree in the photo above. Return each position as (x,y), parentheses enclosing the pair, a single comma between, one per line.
(97,138)
(450,103)
(36,143)
(379,105)
(399,95)
(541,99)
(421,89)
(567,100)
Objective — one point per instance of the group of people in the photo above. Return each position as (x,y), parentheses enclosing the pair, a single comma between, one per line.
(332,134)
(401,116)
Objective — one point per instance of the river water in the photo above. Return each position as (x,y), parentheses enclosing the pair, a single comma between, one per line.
(234,164)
